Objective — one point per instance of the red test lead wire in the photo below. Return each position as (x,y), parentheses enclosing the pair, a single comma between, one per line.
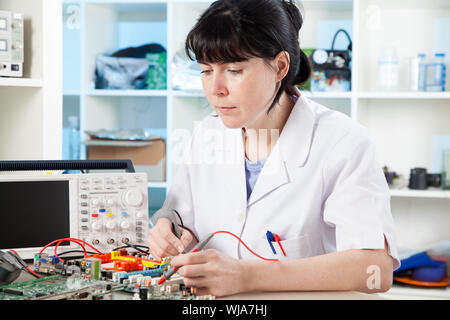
(243,243)
(163,278)
(202,243)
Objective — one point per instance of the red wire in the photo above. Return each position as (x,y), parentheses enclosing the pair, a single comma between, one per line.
(254,253)
(70,239)
(28,268)
(78,241)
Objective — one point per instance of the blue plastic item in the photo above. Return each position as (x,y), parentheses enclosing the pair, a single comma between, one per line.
(431,273)
(415,261)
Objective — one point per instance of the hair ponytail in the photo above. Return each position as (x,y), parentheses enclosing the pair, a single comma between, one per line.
(304,71)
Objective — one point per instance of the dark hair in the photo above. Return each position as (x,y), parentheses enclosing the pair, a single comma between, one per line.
(236,30)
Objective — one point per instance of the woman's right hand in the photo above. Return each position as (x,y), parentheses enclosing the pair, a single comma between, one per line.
(163,242)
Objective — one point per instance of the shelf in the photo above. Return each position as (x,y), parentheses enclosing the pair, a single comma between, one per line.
(433,193)
(179,93)
(404,95)
(156,184)
(31,107)
(127,93)
(348,95)
(327,95)
(327,4)
(308,94)
(20,82)
(125,5)
(73,92)
(116,143)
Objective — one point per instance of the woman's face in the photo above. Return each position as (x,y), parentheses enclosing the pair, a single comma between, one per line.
(240,92)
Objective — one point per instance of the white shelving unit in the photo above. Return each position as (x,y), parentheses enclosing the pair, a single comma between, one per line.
(31,106)
(20,82)
(402,123)
(432,193)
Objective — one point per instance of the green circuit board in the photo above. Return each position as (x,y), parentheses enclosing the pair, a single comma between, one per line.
(58,287)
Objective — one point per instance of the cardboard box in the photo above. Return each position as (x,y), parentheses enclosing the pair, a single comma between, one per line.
(147,156)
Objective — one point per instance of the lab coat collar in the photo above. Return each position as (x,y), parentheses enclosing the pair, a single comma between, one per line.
(290,152)
(296,138)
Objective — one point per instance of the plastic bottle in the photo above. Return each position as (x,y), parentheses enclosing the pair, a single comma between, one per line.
(388,69)
(416,73)
(435,73)
(74,143)
(440,71)
(422,72)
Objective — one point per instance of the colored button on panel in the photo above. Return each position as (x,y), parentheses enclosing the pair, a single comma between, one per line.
(110,214)
(101,210)
(124,214)
(95,215)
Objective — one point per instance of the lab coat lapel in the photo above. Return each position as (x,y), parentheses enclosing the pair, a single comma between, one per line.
(272,176)
(296,137)
(235,170)
(289,153)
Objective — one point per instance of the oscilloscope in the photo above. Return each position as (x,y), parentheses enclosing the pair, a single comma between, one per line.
(107,210)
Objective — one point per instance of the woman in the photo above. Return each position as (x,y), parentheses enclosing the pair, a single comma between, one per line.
(268,159)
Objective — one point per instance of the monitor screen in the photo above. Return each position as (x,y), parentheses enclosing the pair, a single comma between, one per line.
(33,213)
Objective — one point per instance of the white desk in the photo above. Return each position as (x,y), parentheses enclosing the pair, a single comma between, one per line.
(322,295)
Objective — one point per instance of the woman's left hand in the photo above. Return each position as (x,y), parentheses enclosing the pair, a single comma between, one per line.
(211,272)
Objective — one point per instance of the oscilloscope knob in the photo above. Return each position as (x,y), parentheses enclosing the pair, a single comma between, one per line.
(97,202)
(133,198)
(125,225)
(110,225)
(97,225)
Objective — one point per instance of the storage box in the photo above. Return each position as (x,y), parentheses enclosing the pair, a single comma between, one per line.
(147,156)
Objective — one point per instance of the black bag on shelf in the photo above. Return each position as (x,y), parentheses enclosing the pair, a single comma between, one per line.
(331,68)
(126,68)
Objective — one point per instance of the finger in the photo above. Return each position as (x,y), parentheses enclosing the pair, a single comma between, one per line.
(193,270)
(189,258)
(175,243)
(197,282)
(204,291)
(167,248)
(155,251)
(158,248)
(162,233)
(186,237)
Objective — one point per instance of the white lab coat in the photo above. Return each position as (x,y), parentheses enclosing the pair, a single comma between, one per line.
(321,189)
